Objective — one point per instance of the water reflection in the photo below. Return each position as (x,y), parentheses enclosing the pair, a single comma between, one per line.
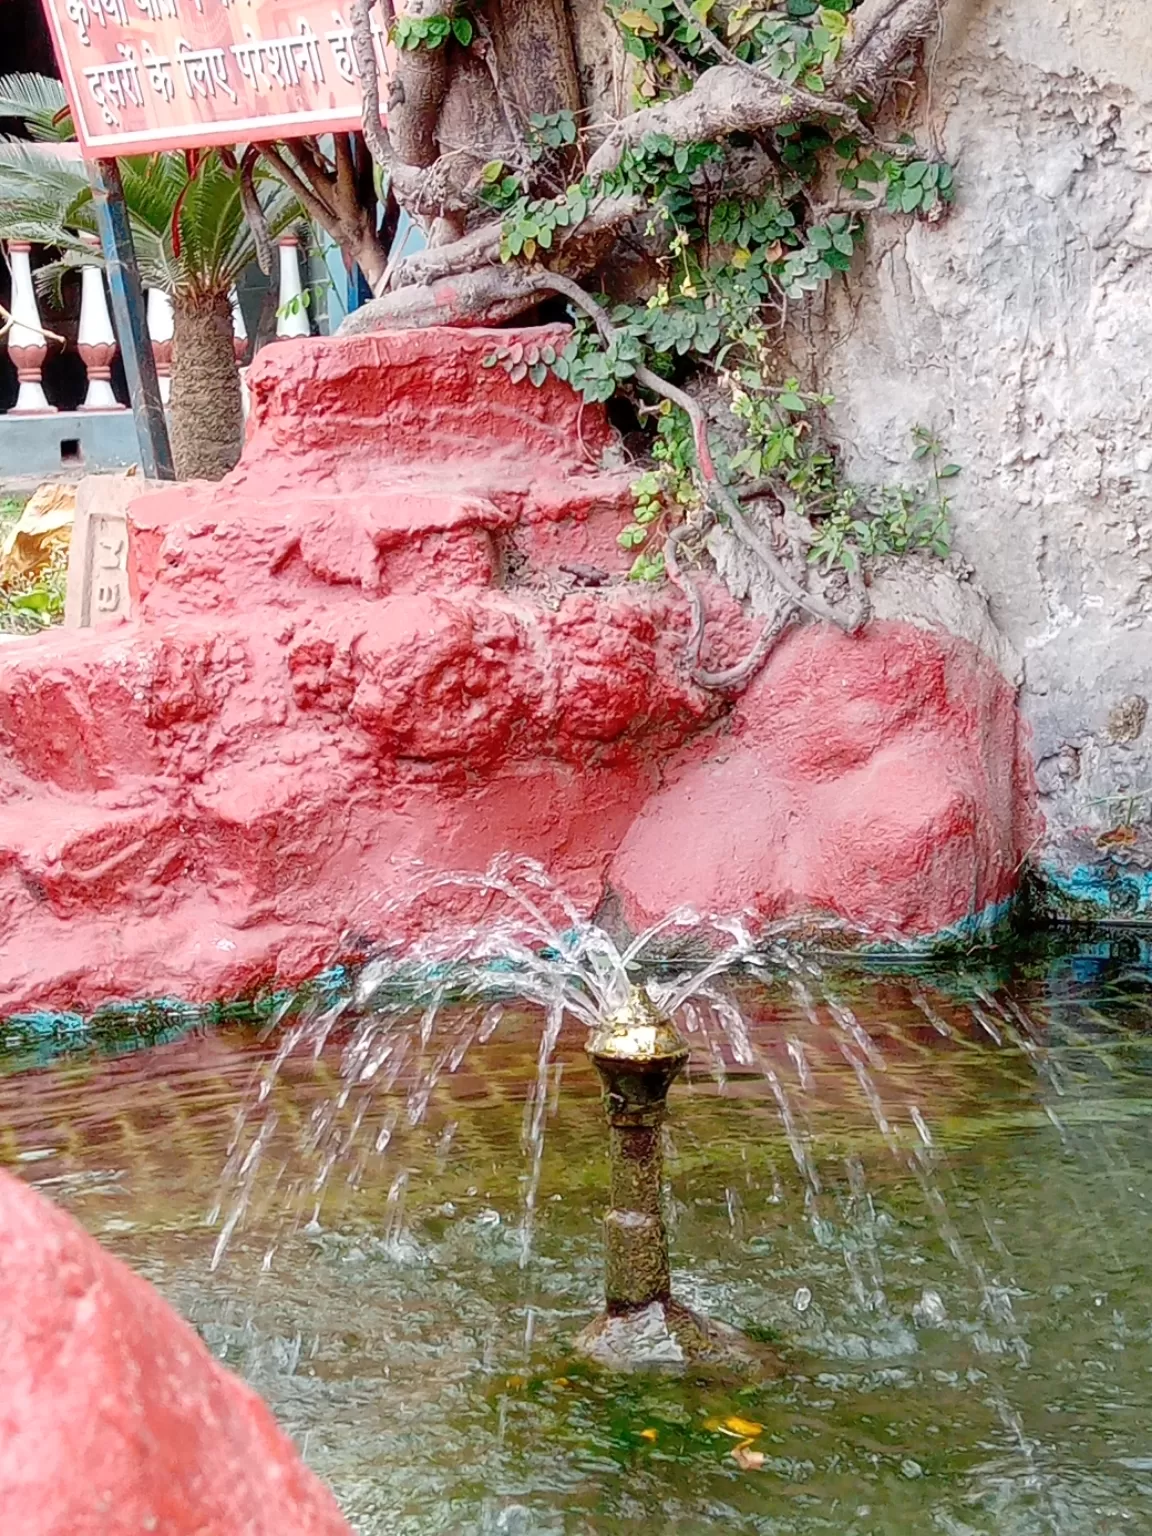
(931,1189)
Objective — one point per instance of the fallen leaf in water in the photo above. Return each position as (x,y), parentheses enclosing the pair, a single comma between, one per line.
(648,1434)
(746,1428)
(746,1458)
(514,1383)
(560,1381)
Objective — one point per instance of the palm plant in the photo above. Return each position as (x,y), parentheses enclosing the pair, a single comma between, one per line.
(192,242)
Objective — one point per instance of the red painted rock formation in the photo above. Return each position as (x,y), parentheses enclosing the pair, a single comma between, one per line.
(878,779)
(373,649)
(114,1418)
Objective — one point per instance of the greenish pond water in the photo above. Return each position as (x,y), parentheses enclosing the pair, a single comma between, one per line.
(937,1203)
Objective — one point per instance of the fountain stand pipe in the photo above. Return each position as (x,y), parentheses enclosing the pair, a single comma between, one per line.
(638,1054)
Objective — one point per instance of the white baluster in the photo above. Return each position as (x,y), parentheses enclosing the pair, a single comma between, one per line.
(295,322)
(27,345)
(240,347)
(96,341)
(160,327)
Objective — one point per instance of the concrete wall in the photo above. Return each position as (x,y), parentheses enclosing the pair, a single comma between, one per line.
(1021,328)
(66,442)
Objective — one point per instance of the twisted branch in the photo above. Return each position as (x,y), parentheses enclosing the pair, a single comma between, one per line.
(8,320)
(254,209)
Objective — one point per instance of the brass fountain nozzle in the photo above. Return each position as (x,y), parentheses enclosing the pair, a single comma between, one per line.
(638,1052)
(638,1031)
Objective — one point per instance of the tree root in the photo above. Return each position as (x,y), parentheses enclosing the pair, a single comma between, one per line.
(578,247)
(488,296)
(882,33)
(731,678)
(462,281)
(851,618)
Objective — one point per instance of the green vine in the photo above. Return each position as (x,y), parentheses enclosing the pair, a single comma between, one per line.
(431,32)
(730,268)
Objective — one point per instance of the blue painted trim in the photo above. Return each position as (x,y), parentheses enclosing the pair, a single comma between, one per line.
(1097,888)
(976,928)
(130,1026)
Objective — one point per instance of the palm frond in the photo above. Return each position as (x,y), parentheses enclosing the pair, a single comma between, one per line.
(49,278)
(46,197)
(39,103)
(34,172)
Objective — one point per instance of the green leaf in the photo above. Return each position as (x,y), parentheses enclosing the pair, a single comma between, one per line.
(792,402)
(914,174)
(949,472)
(910,199)
(462,30)
(36,601)
(638,21)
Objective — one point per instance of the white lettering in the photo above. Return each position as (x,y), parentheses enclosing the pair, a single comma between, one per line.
(279,60)
(82,13)
(159,67)
(113,86)
(203,69)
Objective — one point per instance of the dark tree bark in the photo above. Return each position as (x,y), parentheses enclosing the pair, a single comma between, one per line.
(448,117)
(206,409)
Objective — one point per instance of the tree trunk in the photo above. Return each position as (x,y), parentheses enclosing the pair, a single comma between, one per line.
(538,66)
(207,413)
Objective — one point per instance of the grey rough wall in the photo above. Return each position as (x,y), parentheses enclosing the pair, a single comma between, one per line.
(1021,329)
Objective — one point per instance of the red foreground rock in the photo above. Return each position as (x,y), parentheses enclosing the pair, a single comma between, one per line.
(114,1418)
(373,651)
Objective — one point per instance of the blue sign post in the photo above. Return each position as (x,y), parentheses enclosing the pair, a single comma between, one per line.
(131,320)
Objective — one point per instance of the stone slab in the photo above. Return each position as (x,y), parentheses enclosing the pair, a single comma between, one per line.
(97,593)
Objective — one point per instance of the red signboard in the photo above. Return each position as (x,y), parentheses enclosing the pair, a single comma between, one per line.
(163,74)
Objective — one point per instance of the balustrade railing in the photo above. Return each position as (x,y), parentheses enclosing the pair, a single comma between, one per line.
(30,343)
